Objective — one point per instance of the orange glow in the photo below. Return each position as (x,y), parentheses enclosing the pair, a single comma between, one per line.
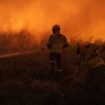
(79,18)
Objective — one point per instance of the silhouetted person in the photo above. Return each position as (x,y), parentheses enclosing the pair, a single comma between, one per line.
(96,67)
(56,43)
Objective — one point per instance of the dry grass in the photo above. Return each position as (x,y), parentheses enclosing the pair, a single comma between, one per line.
(26,80)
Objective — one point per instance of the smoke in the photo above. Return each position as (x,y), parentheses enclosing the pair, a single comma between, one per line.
(83,19)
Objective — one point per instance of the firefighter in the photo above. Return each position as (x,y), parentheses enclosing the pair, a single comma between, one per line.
(96,67)
(56,43)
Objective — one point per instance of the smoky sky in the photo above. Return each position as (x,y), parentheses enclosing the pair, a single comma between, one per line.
(83,18)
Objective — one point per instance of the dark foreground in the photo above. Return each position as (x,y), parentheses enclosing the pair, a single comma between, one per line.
(27,80)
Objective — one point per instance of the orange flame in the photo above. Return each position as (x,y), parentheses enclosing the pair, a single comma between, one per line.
(84,19)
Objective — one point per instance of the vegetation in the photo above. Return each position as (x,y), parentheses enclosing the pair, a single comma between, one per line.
(26,79)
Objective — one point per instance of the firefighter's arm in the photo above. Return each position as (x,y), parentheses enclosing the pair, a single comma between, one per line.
(66,44)
(49,46)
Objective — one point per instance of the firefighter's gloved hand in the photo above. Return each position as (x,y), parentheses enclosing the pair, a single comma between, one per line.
(49,46)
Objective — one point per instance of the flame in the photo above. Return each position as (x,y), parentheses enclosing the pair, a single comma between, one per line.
(82,18)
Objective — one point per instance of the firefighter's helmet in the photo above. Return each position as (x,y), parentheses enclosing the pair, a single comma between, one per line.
(56,28)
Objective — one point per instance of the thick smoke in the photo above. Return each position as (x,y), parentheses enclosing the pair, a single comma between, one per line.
(79,18)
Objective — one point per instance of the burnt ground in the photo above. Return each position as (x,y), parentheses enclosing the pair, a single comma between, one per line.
(26,79)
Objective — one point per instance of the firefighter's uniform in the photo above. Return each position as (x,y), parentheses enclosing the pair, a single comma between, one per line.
(96,67)
(56,45)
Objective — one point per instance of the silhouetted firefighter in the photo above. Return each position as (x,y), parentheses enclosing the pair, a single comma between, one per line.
(96,67)
(56,43)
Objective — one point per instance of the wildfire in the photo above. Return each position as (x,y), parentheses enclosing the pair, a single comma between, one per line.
(82,18)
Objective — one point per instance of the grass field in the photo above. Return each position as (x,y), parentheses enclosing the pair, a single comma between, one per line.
(26,79)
